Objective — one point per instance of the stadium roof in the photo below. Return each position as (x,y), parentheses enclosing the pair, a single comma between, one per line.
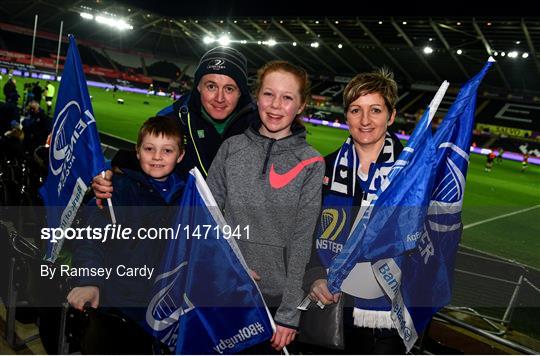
(347,44)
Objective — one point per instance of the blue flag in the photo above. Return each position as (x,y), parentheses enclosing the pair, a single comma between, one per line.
(204,300)
(389,226)
(75,155)
(420,283)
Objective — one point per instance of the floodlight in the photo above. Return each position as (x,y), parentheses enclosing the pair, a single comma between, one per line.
(428,50)
(513,54)
(118,24)
(224,40)
(86,15)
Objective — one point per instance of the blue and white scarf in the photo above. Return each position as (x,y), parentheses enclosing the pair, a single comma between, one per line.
(372,307)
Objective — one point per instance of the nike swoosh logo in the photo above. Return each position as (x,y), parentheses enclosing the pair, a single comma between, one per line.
(278,181)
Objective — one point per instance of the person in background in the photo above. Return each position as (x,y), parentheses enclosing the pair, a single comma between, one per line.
(9,111)
(37,90)
(269,179)
(49,95)
(525,162)
(36,125)
(353,176)
(10,90)
(500,155)
(489,161)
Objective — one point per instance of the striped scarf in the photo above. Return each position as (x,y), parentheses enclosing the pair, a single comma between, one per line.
(372,307)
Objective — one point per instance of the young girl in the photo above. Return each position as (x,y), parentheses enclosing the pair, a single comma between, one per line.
(268,183)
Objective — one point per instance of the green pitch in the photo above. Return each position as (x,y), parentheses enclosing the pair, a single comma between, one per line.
(503,195)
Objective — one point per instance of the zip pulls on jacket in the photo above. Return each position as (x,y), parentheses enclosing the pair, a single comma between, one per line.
(272,141)
(269,151)
(183,114)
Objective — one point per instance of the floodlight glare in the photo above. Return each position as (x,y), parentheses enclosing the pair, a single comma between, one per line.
(428,50)
(294,44)
(224,40)
(208,40)
(513,54)
(86,15)
(118,24)
(103,20)
(271,42)
(459,51)
(340,46)
(525,55)
(314,44)
(123,25)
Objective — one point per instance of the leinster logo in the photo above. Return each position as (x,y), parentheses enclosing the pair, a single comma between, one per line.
(332,224)
(65,135)
(216,64)
(165,309)
(447,198)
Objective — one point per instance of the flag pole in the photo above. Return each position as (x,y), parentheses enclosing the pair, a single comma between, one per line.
(34,40)
(434,105)
(59,45)
(109,203)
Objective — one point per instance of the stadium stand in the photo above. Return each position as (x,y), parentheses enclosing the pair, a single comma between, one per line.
(20,167)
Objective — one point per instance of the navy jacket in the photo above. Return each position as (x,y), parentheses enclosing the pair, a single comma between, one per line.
(137,205)
(201,138)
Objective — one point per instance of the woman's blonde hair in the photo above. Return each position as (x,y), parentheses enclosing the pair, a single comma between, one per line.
(379,81)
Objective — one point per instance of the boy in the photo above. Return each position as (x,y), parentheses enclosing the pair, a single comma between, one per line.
(139,199)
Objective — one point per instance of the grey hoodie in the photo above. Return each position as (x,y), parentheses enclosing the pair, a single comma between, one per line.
(274,187)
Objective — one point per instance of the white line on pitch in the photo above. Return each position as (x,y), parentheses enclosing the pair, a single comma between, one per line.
(500,217)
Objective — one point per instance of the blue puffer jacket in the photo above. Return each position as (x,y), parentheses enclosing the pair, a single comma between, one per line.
(137,205)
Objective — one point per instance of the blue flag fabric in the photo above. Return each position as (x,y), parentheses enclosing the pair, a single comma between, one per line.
(75,155)
(420,283)
(204,300)
(389,226)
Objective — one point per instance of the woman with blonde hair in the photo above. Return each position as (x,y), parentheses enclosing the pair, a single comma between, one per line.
(353,176)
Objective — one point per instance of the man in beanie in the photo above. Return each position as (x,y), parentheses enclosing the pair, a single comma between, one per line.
(219,106)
